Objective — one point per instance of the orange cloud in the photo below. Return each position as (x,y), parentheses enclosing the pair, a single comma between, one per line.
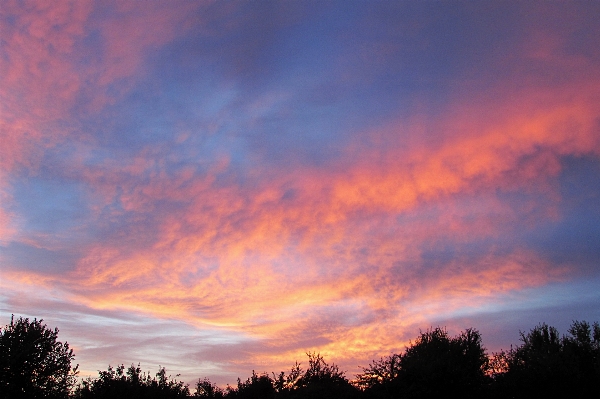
(334,254)
(248,259)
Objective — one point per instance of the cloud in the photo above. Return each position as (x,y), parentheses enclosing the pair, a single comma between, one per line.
(228,255)
(159,165)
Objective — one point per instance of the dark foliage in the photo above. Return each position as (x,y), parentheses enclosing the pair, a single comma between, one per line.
(321,380)
(131,384)
(435,365)
(380,373)
(546,364)
(255,387)
(206,389)
(33,363)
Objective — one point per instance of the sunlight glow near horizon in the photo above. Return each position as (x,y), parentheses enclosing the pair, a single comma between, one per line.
(218,187)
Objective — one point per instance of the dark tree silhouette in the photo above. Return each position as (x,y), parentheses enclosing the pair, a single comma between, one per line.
(286,383)
(320,380)
(546,364)
(131,384)
(377,380)
(319,372)
(582,353)
(435,365)
(33,363)
(206,389)
(256,387)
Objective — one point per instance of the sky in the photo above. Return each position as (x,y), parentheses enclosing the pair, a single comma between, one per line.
(218,187)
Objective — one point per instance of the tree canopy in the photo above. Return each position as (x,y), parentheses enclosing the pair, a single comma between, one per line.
(434,365)
(546,364)
(33,363)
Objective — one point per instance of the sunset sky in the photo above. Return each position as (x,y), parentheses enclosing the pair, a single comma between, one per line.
(218,187)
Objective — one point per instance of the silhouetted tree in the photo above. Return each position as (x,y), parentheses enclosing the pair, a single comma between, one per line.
(321,380)
(582,353)
(33,363)
(377,379)
(256,387)
(439,365)
(435,365)
(547,364)
(286,383)
(131,384)
(206,389)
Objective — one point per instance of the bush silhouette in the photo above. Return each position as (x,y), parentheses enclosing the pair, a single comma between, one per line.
(255,387)
(131,384)
(319,380)
(322,380)
(206,389)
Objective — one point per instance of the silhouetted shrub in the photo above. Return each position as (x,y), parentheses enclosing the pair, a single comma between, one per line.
(321,380)
(206,389)
(131,384)
(255,387)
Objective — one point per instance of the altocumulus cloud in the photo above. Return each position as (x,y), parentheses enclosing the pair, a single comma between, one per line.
(221,187)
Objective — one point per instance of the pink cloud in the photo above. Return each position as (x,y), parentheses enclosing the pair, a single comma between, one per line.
(342,251)
(247,233)
(46,72)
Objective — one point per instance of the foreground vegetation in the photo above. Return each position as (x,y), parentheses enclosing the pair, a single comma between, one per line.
(34,364)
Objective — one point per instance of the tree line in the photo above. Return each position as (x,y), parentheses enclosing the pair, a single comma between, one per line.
(34,364)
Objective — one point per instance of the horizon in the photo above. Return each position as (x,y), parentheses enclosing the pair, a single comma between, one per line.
(220,187)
